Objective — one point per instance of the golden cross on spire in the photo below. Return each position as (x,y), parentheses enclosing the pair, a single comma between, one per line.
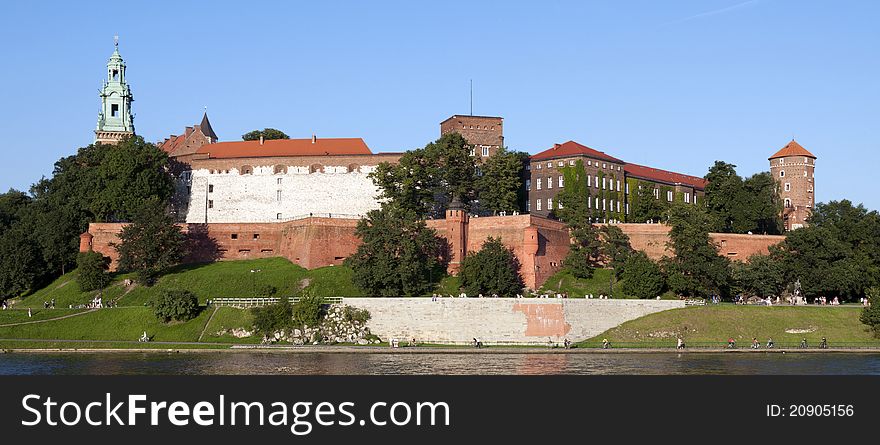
(116,41)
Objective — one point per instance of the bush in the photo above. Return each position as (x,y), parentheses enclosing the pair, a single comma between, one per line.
(353,314)
(642,277)
(92,271)
(494,269)
(177,305)
(871,314)
(273,318)
(308,311)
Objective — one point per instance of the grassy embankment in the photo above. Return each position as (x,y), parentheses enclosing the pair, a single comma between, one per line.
(711,326)
(598,284)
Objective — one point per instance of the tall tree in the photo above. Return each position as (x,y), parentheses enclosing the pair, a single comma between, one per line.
(646,206)
(151,244)
(642,277)
(500,188)
(399,256)
(585,250)
(696,269)
(266,133)
(762,276)
(425,179)
(20,265)
(493,270)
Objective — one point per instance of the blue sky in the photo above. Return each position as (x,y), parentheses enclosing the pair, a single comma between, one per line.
(671,84)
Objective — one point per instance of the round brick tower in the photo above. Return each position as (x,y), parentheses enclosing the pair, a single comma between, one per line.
(793,168)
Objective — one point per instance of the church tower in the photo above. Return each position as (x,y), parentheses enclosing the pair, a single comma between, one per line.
(793,168)
(115,121)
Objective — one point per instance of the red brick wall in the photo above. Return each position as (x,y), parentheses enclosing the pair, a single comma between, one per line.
(652,239)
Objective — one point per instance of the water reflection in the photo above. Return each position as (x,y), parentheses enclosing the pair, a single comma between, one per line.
(426,364)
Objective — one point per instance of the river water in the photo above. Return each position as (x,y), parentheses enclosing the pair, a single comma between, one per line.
(109,363)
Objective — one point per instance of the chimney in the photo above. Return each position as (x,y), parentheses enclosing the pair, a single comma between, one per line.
(261,139)
(314,138)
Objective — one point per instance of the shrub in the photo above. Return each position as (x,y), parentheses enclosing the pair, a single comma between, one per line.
(92,271)
(273,318)
(308,311)
(494,269)
(177,305)
(352,314)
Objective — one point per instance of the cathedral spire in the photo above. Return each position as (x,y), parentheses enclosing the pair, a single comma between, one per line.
(115,120)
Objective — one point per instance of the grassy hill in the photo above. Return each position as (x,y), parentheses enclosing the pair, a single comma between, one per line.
(711,326)
(596,285)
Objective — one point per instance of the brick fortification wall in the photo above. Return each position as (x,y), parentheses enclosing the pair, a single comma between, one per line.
(501,320)
(652,239)
(540,244)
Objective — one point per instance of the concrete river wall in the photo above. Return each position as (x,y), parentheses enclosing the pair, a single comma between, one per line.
(501,320)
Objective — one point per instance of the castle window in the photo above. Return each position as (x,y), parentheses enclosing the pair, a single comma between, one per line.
(604,165)
(210,188)
(233,236)
(695,199)
(528,167)
(353,168)
(559,203)
(687,197)
(560,164)
(278,181)
(528,184)
(256,236)
(618,185)
(549,182)
(485,151)
(781,173)
(603,183)
(114,110)
(787,203)
(787,186)
(604,202)
(590,163)
(280,170)
(538,204)
(277,216)
(529,205)
(571,162)
(656,193)
(316,168)
(246,170)
(538,183)
(627,188)
(561,181)
(549,165)
(669,195)
(210,203)
(278,195)
(549,203)
(539,166)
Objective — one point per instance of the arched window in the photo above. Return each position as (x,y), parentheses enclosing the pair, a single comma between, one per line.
(246,170)
(354,168)
(316,168)
(787,203)
(280,169)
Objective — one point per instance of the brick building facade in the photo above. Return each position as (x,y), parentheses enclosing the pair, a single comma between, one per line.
(793,168)
(484,133)
(611,182)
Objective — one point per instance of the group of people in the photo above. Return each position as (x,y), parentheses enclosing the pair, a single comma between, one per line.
(823,301)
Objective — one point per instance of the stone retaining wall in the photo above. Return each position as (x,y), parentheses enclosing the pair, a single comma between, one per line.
(500,320)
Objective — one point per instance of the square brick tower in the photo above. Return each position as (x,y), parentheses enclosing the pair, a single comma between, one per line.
(793,168)
(484,133)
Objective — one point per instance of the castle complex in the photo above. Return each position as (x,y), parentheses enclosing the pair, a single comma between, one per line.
(301,198)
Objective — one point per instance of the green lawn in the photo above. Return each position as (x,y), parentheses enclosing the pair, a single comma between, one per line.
(66,292)
(124,323)
(229,318)
(712,325)
(21,315)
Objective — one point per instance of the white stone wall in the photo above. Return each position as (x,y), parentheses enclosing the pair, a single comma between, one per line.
(500,320)
(253,197)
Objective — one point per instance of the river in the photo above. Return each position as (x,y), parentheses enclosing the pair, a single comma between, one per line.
(320,363)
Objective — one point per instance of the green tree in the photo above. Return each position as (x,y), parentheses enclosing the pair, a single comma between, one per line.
(19,262)
(871,314)
(12,205)
(739,206)
(642,277)
(616,248)
(494,269)
(399,255)
(151,244)
(176,305)
(762,276)
(273,318)
(500,188)
(645,206)
(424,180)
(585,250)
(266,133)
(696,269)
(764,207)
(92,271)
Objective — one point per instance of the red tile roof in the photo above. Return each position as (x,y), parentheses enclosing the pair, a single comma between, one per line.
(287,147)
(172,143)
(792,149)
(572,148)
(655,174)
